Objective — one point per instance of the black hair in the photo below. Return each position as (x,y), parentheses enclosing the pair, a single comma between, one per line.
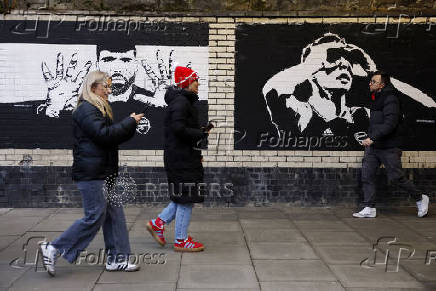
(115,45)
(385,78)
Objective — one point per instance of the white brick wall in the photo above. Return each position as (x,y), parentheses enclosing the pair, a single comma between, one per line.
(221,106)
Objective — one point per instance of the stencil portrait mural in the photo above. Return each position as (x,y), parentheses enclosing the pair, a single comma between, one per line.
(41,77)
(310,85)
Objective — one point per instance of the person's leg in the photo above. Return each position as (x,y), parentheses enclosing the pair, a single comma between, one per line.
(183,218)
(116,235)
(78,236)
(156,226)
(168,213)
(391,158)
(183,242)
(370,164)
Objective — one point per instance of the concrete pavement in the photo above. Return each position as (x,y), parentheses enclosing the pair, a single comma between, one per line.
(274,248)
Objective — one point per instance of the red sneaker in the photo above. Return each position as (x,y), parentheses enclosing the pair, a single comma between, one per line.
(156,231)
(188,245)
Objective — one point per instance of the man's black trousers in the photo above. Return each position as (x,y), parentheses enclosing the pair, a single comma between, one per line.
(391,159)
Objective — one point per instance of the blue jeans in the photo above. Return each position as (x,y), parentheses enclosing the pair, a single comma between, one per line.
(182,214)
(97,213)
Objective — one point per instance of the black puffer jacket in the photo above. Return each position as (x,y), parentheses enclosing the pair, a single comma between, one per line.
(96,140)
(385,118)
(182,159)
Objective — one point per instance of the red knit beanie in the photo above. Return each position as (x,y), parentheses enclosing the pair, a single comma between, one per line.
(184,76)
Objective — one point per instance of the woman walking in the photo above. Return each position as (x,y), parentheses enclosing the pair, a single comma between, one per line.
(182,161)
(95,153)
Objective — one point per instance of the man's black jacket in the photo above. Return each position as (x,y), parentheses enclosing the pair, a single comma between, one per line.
(385,118)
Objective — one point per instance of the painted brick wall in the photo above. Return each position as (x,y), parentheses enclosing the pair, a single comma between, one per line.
(23,169)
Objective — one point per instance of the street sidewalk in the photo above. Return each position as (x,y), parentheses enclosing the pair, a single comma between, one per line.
(251,248)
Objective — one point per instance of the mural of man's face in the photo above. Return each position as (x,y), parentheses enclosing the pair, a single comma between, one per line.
(336,72)
(121,66)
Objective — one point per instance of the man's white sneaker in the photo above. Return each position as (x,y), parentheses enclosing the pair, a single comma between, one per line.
(423,206)
(49,255)
(121,267)
(366,212)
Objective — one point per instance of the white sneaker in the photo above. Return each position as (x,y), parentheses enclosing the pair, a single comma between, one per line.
(423,206)
(366,212)
(49,255)
(121,267)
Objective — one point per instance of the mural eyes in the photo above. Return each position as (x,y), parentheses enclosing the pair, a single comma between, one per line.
(108,59)
(126,60)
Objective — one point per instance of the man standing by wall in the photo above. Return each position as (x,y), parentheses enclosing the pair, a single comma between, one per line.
(382,146)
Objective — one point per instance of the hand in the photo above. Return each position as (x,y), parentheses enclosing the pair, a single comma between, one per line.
(159,81)
(137,117)
(63,89)
(367,142)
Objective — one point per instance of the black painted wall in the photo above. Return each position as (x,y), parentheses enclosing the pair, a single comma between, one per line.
(321,59)
(75,47)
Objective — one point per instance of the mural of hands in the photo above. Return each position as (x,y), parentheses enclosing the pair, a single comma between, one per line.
(162,79)
(63,88)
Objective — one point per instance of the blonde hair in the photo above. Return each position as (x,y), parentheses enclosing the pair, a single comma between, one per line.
(94,78)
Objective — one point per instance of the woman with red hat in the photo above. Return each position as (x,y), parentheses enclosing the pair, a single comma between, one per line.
(182,161)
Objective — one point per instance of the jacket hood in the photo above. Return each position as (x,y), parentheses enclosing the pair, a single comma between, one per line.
(173,92)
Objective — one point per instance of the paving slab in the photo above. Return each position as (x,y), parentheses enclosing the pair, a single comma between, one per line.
(292,270)
(150,273)
(379,222)
(66,277)
(221,214)
(25,246)
(30,212)
(322,225)
(6,240)
(8,274)
(389,289)
(335,238)
(276,235)
(344,254)
(248,248)
(301,286)
(52,288)
(270,214)
(199,226)
(214,216)
(136,287)
(144,251)
(420,270)
(266,223)
(4,210)
(17,225)
(421,250)
(217,276)
(219,289)
(357,276)
(401,234)
(219,238)
(281,251)
(218,256)
(311,214)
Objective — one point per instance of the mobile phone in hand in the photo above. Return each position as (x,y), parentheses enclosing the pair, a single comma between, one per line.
(209,126)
